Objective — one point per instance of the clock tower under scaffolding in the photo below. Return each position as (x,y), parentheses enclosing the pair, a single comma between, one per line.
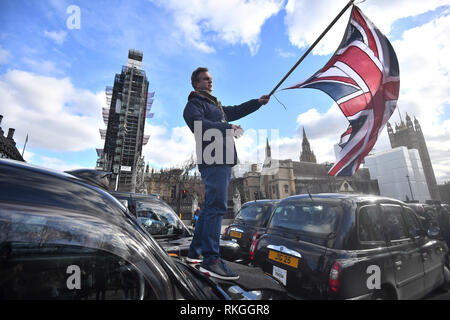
(128,105)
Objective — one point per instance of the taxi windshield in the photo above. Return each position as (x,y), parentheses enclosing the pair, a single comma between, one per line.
(157,218)
(252,213)
(312,218)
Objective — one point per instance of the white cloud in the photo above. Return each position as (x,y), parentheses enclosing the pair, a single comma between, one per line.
(251,146)
(322,140)
(44,67)
(424,68)
(58,37)
(168,147)
(56,115)
(314,122)
(424,72)
(55,164)
(232,21)
(305,20)
(285,54)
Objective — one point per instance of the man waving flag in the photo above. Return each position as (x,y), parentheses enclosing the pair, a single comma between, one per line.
(363,78)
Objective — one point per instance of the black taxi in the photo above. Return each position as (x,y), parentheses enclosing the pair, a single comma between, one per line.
(251,218)
(62,238)
(340,246)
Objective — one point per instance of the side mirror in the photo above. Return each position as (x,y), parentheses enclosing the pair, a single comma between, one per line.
(433,232)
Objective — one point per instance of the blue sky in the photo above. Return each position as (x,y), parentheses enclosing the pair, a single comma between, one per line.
(52,78)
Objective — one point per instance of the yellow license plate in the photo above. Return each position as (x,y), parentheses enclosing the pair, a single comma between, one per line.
(283,258)
(235,234)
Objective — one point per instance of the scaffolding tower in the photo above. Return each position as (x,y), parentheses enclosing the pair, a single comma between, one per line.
(128,105)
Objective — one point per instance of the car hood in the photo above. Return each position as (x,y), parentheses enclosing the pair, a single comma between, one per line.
(253,283)
(177,246)
(180,246)
(251,279)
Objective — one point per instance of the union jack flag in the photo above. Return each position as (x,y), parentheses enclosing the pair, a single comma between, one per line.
(363,78)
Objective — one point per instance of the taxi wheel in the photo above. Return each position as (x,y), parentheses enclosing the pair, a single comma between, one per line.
(381,294)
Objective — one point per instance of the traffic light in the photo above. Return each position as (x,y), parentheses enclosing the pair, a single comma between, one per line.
(184,195)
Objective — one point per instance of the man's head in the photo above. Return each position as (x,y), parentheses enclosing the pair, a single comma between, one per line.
(201,79)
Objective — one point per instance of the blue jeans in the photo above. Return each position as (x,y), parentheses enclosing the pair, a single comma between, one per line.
(207,229)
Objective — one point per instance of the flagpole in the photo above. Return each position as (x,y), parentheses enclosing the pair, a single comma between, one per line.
(312,46)
(23,150)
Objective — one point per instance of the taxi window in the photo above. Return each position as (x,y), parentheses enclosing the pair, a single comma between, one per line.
(55,191)
(48,253)
(395,225)
(370,227)
(158,218)
(253,213)
(62,272)
(412,222)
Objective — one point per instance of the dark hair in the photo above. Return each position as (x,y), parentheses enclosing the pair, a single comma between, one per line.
(195,75)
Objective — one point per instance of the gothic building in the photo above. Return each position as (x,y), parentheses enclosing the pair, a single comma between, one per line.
(410,135)
(307,154)
(181,191)
(8,147)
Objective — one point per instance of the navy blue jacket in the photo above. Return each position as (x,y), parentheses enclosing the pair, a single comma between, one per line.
(210,116)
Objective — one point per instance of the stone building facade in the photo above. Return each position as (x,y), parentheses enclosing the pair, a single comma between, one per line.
(182,192)
(283,178)
(444,192)
(8,147)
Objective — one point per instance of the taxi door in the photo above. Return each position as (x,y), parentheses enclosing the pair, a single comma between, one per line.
(405,254)
(432,251)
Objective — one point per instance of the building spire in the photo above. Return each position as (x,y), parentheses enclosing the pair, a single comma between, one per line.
(307,155)
(399,114)
(417,125)
(409,123)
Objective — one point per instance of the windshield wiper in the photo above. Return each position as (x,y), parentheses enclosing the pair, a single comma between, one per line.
(285,228)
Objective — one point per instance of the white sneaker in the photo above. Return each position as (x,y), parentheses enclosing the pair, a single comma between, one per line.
(194,260)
